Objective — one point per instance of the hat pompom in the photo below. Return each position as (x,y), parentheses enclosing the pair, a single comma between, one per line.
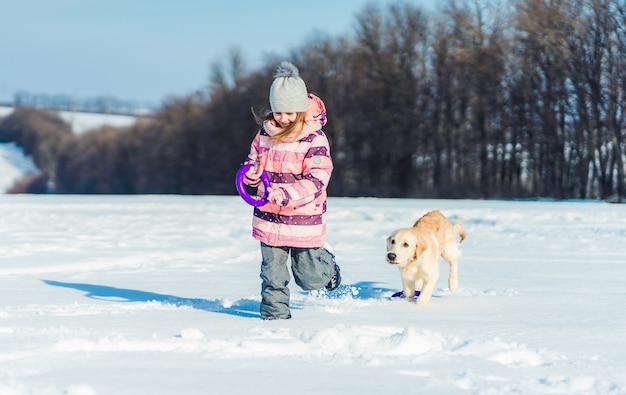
(287,70)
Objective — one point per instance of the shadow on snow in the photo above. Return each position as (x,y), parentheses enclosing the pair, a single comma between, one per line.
(241,308)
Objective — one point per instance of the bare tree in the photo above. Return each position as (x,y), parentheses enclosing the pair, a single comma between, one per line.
(384,89)
(468,73)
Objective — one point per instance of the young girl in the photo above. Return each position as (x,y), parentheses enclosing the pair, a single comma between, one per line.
(294,152)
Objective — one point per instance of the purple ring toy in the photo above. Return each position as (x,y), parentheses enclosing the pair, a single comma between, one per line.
(241,187)
(401,294)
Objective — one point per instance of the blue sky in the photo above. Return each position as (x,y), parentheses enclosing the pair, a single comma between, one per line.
(148,50)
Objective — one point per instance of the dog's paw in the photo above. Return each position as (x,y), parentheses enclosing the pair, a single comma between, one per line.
(453,284)
(422,300)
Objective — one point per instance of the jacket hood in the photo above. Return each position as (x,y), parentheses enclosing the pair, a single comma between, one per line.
(314,119)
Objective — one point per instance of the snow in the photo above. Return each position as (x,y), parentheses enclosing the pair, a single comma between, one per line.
(82,122)
(14,164)
(5,110)
(160,295)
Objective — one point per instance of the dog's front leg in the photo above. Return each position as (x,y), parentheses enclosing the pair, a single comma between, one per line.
(428,288)
(426,294)
(408,288)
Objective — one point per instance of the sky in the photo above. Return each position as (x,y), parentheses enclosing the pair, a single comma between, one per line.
(149,50)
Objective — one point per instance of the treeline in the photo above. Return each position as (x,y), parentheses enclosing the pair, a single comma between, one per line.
(481,99)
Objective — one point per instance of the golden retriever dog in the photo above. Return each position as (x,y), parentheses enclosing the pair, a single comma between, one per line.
(415,252)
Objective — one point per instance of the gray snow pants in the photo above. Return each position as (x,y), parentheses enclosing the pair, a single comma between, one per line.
(312,268)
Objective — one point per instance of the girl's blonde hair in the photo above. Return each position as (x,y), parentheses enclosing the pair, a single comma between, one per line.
(295,127)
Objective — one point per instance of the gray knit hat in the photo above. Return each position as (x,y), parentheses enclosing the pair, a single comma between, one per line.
(288,92)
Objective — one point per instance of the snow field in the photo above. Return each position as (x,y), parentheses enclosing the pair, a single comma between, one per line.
(160,295)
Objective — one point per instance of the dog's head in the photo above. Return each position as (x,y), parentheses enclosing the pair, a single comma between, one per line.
(404,246)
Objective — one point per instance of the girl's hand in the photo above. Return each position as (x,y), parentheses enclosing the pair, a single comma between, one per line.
(277,197)
(254,174)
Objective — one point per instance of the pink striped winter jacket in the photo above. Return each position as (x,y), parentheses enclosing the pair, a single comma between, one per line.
(302,167)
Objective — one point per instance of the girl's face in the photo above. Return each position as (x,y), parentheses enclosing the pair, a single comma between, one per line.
(285,119)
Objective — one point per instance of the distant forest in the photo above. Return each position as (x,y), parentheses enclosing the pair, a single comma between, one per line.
(480,99)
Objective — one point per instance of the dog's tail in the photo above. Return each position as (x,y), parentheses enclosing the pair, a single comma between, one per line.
(460,231)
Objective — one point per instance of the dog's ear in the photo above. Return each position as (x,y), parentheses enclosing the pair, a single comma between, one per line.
(420,247)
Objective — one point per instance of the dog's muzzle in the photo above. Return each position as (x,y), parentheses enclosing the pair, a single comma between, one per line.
(391,258)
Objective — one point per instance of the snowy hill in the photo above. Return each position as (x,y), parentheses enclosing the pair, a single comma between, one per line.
(13,165)
(4,111)
(84,121)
